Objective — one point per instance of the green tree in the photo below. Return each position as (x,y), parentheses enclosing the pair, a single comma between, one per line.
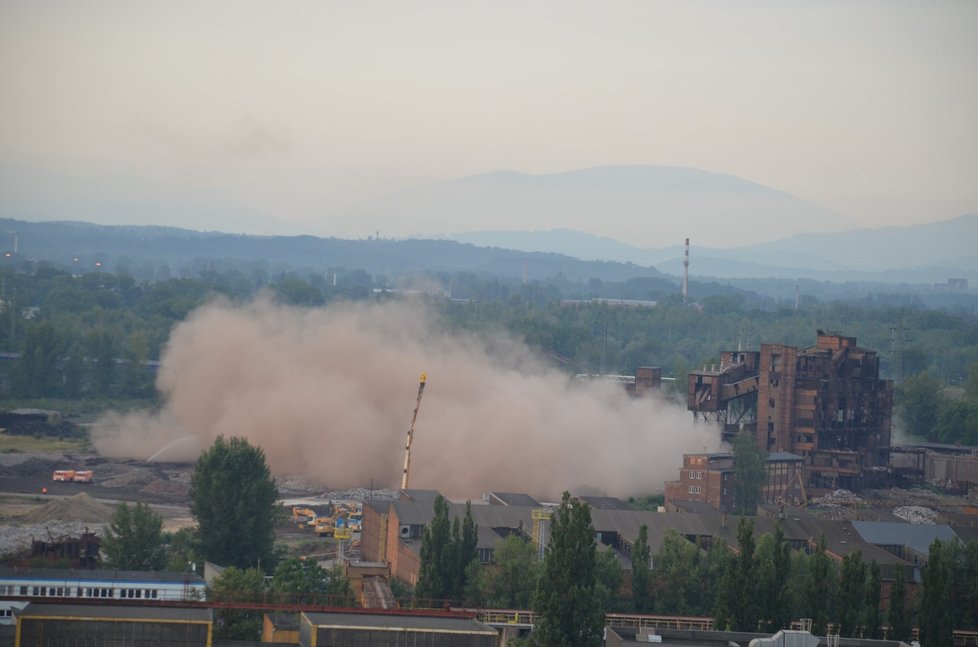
(675,575)
(935,612)
(569,614)
(964,589)
(727,592)
(898,616)
(918,399)
(233,500)
(642,572)
(183,550)
(509,582)
(304,581)
(36,373)
(745,610)
(773,570)
(237,585)
(436,575)
(448,547)
(468,549)
(609,576)
(134,539)
(820,589)
(873,621)
(750,473)
(852,594)
(971,386)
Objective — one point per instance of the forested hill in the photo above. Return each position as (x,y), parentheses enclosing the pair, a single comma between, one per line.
(143,250)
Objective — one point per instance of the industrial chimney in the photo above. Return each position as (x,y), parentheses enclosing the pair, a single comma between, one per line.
(686,274)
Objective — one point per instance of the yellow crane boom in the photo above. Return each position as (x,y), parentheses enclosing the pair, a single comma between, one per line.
(410,434)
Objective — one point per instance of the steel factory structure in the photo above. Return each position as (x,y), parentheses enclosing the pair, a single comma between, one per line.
(825,403)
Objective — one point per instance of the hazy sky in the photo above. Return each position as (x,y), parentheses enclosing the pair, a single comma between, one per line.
(298,108)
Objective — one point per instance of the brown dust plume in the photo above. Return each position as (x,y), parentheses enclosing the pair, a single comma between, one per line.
(329,393)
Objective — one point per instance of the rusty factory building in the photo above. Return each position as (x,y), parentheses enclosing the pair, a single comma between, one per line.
(825,403)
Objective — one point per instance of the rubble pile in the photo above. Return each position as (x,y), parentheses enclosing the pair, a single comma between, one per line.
(166,488)
(838,498)
(296,484)
(79,507)
(916,514)
(27,464)
(361,494)
(922,497)
(132,478)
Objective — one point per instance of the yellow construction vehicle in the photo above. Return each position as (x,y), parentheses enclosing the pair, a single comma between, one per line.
(324,526)
(303,516)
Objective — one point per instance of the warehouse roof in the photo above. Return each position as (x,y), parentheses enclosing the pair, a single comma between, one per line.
(784,456)
(512,498)
(100,575)
(915,536)
(117,611)
(605,503)
(400,622)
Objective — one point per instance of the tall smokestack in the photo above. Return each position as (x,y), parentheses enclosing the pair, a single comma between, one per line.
(797,293)
(686,274)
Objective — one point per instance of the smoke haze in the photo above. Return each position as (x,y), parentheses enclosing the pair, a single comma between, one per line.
(329,393)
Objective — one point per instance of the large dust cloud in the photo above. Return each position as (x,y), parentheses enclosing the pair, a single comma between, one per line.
(329,393)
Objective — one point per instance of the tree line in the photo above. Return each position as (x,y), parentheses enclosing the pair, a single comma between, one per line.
(234,502)
(96,335)
(762,586)
(934,412)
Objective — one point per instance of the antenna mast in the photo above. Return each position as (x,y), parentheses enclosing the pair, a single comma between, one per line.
(410,434)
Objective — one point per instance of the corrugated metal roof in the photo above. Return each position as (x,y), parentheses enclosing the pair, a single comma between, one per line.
(916,536)
(187,614)
(408,622)
(605,503)
(514,498)
(100,575)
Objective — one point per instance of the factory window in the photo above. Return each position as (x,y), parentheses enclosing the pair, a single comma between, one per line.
(699,475)
(770,403)
(695,489)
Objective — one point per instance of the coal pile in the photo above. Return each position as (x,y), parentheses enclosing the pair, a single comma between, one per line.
(78,508)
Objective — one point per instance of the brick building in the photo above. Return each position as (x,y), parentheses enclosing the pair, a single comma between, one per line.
(709,479)
(825,403)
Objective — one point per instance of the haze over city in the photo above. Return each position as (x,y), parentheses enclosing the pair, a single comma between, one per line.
(271,119)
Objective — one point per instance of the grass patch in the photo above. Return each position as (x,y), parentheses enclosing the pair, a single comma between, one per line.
(10,444)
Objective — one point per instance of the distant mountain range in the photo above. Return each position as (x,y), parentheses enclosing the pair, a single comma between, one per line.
(738,229)
(661,204)
(925,253)
(142,250)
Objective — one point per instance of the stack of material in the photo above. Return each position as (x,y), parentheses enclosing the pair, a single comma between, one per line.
(80,507)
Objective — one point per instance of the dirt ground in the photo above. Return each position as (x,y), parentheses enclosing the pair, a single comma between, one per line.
(33,506)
